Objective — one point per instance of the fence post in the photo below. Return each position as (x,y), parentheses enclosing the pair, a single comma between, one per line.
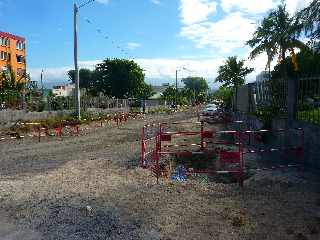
(292,100)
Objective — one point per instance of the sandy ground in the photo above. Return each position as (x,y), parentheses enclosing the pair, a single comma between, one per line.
(90,187)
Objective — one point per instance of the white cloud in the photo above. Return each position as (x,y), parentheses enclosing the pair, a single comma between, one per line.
(229,32)
(258,7)
(133,45)
(157,70)
(258,64)
(157,2)
(295,5)
(224,35)
(193,11)
(248,6)
(103,1)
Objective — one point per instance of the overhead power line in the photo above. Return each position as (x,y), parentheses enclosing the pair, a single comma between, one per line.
(107,37)
(86,3)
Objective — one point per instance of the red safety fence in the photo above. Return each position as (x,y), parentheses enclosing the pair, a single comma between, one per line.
(289,143)
(39,130)
(158,144)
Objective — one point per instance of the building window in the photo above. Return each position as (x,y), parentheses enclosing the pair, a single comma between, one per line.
(4,41)
(20,59)
(20,45)
(4,56)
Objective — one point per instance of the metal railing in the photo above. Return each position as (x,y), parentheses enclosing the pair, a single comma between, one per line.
(50,103)
(308,99)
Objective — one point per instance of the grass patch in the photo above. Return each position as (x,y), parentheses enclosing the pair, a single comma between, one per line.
(312,115)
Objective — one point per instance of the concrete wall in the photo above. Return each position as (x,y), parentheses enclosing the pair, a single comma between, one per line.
(9,117)
(244,99)
(311,140)
(292,137)
(312,143)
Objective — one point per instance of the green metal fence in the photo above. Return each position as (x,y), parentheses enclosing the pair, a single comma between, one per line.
(308,99)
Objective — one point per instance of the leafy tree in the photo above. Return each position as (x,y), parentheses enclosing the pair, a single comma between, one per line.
(224,97)
(11,86)
(10,82)
(232,73)
(169,94)
(85,78)
(121,78)
(309,65)
(196,88)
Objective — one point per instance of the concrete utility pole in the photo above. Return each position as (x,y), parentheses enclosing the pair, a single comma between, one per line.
(41,79)
(176,96)
(76,67)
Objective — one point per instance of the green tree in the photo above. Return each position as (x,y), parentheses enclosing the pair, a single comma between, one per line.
(85,78)
(169,94)
(309,65)
(11,86)
(196,88)
(233,73)
(121,78)
(223,96)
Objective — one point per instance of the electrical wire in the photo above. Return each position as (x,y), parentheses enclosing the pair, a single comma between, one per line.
(107,37)
(86,3)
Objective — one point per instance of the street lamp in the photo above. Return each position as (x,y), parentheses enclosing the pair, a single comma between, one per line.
(176,93)
(76,67)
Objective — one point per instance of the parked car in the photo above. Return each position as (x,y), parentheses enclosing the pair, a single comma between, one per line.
(210,110)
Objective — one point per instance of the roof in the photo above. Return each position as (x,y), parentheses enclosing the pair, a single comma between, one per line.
(159,89)
(11,36)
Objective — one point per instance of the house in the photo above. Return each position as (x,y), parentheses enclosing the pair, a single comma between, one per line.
(13,53)
(63,90)
(158,90)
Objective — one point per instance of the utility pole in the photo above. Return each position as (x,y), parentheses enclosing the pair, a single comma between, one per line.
(76,67)
(41,79)
(176,97)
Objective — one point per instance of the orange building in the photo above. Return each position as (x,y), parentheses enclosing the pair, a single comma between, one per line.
(13,53)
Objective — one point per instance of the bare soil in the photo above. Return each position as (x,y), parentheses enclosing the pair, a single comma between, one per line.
(90,187)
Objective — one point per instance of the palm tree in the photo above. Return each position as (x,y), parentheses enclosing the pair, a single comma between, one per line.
(277,34)
(309,19)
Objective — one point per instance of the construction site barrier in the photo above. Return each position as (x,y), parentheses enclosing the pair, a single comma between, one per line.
(156,144)
(72,126)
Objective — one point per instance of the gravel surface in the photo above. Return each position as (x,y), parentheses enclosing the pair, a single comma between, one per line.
(90,187)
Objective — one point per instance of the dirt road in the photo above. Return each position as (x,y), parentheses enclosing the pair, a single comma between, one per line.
(90,187)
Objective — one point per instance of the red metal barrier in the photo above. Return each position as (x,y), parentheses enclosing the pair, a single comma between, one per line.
(160,150)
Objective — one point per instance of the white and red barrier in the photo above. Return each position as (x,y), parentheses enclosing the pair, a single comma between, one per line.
(156,145)
(159,143)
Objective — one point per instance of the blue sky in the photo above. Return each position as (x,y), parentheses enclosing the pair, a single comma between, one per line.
(161,35)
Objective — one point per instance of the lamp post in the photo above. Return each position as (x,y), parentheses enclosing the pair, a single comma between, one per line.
(176,93)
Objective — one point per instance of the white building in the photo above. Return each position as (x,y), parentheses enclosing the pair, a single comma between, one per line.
(63,90)
(262,88)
